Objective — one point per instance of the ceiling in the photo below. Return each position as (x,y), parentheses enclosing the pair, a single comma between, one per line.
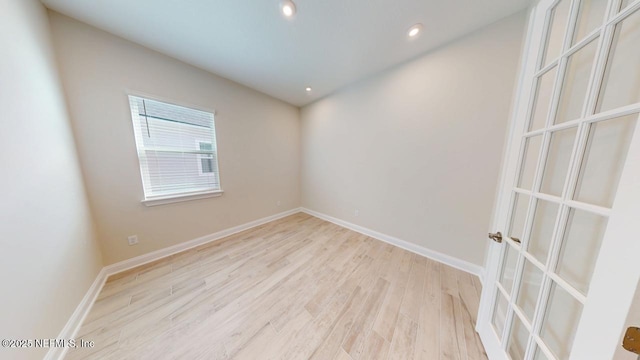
(327,45)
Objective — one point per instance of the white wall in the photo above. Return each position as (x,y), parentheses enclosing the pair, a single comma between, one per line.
(258,141)
(48,253)
(417,149)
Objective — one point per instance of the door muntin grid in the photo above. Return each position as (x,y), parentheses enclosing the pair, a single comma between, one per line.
(556,276)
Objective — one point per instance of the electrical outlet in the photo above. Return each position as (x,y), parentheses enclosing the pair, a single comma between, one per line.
(357,212)
(279,203)
(133,239)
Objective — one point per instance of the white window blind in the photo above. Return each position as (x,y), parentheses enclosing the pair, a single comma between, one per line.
(176,147)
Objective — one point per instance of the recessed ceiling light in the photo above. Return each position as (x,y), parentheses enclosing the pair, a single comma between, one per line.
(308,89)
(288,8)
(415,30)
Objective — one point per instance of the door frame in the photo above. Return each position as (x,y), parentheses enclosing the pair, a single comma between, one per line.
(496,251)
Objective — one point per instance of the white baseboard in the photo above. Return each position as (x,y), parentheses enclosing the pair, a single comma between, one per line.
(171,250)
(434,255)
(70,330)
(72,326)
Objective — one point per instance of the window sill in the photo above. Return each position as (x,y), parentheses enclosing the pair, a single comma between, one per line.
(181,197)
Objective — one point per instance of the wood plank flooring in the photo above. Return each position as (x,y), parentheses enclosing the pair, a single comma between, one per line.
(295,288)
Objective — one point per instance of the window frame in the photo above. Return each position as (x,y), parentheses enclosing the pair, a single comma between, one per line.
(179,196)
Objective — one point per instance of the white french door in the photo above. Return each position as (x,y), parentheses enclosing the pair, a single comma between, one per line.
(561,283)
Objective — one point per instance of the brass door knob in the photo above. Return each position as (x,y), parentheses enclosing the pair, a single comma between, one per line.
(631,340)
(497,237)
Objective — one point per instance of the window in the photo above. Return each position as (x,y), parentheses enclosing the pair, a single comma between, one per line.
(206,160)
(177,150)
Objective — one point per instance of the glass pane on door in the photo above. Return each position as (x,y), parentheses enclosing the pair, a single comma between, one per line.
(576,81)
(500,313)
(557,31)
(509,269)
(560,322)
(518,339)
(580,248)
(557,165)
(529,288)
(543,223)
(518,217)
(539,354)
(590,17)
(625,3)
(604,159)
(543,99)
(621,85)
(529,162)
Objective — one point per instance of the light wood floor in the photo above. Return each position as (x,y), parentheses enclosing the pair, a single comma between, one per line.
(295,288)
